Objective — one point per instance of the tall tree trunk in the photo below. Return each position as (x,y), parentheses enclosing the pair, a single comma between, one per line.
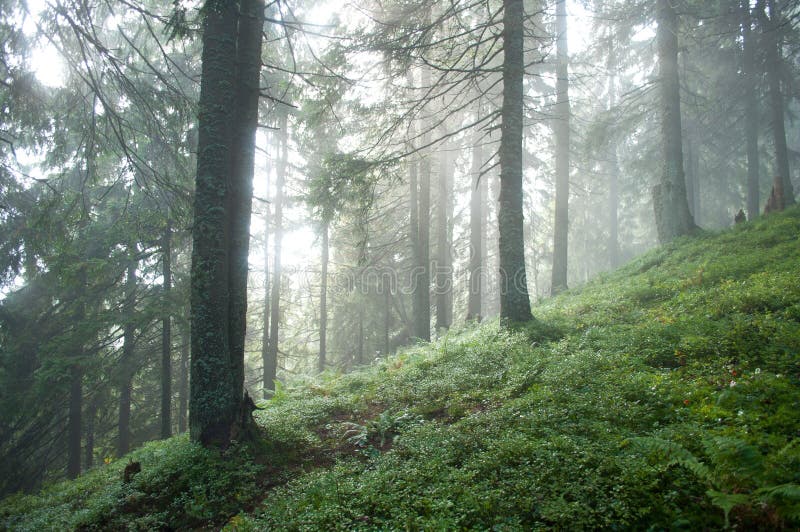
(422,310)
(490,183)
(691,178)
(323,301)
(126,363)
(166,335)
(774,60)
(360,348)
(266,314)
(74,421)
(514,301)
(476,230)
(271,367)
(750,111)
(248,50)
(444,274)
(694,197)
(75,408)
(413,239)
(387,316)
(613,168)
(228,117)
(183,386)
(670,204)
(691,143)
(214,402)
(88,449)
(562,124)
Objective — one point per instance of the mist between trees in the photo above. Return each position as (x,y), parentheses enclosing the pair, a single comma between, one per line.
(380,281)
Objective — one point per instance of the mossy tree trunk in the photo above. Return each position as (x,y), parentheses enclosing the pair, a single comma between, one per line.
(240,197)
(213,399)
(514,301)
(670,204)
(231,63)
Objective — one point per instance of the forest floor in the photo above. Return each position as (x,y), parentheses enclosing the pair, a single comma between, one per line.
(664,395)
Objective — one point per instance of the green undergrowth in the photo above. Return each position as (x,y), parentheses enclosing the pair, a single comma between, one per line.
(664,395)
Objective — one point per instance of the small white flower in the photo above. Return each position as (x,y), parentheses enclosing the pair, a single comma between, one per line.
(733,383)
(757,371)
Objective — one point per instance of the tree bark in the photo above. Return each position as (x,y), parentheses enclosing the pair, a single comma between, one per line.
(422,310)
(323,301)
(74,421)
(613,169)
(751,111)
(387,316)
(444,273)
(229,91)
(266,314)
(248,50)
(360,348)
(691,178)
(774,60)
(670,204)
(213,399)
(562,124)
(75,408)
(126,363)
(514,301)
(183,387)
(88,449)
(271,367)
(490,299)
(476,231)
(166,335)
(413,238)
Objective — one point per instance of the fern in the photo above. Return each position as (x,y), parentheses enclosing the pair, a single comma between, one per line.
(673,453)
(734,465)
(785,491)
(785,498)
(737,460)
(727,501)
(722,450)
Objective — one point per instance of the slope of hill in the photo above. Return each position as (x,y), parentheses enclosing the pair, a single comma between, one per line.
(664,395)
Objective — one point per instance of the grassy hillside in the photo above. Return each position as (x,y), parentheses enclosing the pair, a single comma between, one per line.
(665,395)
